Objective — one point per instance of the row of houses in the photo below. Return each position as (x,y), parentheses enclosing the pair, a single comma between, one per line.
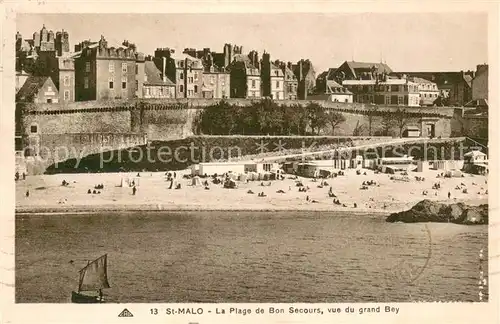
(377,83)
(101,71)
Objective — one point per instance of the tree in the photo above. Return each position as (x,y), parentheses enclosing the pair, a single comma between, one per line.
(358,130)
(334,118)
(401,120)
(372,112)
(317,117)
(387,123)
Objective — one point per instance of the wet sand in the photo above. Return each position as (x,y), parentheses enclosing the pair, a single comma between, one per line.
(48,195)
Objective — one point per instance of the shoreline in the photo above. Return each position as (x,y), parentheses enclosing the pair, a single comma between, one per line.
(150,208)
(48,196)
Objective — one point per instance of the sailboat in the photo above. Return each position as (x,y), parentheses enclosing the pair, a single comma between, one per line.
(93,277)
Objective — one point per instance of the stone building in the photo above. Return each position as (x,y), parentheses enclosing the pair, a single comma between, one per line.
(184,70)
(324,80)
(384,91)
(48,54)
(291,82)
(216,79)
(155,85)
(107,73)
(429,91)
(306,77)
(455,88)
(38,89)
(480,83)
(273,79)
(359,71)
(216,82)
(245,76)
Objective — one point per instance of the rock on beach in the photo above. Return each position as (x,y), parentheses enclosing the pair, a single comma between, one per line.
(432,211)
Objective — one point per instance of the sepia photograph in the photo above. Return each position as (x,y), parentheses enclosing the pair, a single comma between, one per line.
(251,158)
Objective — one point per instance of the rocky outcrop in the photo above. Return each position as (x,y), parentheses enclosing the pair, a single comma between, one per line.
(430,211)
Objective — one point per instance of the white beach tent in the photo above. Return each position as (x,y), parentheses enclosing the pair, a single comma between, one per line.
(196,181)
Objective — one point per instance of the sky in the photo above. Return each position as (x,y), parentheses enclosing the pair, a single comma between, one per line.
(405,41)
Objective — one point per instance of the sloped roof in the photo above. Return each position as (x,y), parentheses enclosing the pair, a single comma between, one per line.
(31,87)
(419,80)
(440,78)
(357,67)
(468,79)
(153,75)
(331,73)
(474,153)
(477,103)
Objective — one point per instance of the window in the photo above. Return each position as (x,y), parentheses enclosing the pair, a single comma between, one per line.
(137,69)
(253,83)
(124,67)
(111,82)
(34,129)
(87,66)
(394,88)
(181,76)
(66,80)
(190,80)
(49,100)
(111,66)
(136,85)
(195,89)
(400,100)
(147,91)
(49,89)
(387,100)
(277,83)
(66,95)
(181,64)
(181,88)
(86,82)
(124,82)
(196,76)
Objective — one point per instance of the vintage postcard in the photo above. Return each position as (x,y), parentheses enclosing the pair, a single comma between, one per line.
(246,162)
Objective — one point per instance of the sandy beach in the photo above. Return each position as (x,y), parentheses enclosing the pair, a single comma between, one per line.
(46,193)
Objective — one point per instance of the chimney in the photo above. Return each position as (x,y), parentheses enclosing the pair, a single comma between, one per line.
(300,71)
(164,68)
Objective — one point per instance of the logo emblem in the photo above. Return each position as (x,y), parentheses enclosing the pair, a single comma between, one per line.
(125,313)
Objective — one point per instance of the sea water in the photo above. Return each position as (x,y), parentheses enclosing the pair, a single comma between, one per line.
(249,257)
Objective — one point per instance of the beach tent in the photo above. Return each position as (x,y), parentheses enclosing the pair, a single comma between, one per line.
(195,181)
(230,184)
(453,174)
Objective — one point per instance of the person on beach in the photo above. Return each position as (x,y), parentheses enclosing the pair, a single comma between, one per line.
(24,176)
(134,190)
(17,175)
(27,193)
(449,195)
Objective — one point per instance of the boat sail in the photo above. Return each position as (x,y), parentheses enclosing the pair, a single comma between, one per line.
(93,277)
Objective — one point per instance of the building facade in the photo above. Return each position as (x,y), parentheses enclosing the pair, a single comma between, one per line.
(429,91)
(401,92)
(245,76)
(154,85)
(184,70)
(359,71)
(273,79)
(107,73)
(455,88)
(38,89)
(216,83)
(291,82)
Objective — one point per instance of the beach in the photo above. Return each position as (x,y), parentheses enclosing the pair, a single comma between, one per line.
(48,195)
